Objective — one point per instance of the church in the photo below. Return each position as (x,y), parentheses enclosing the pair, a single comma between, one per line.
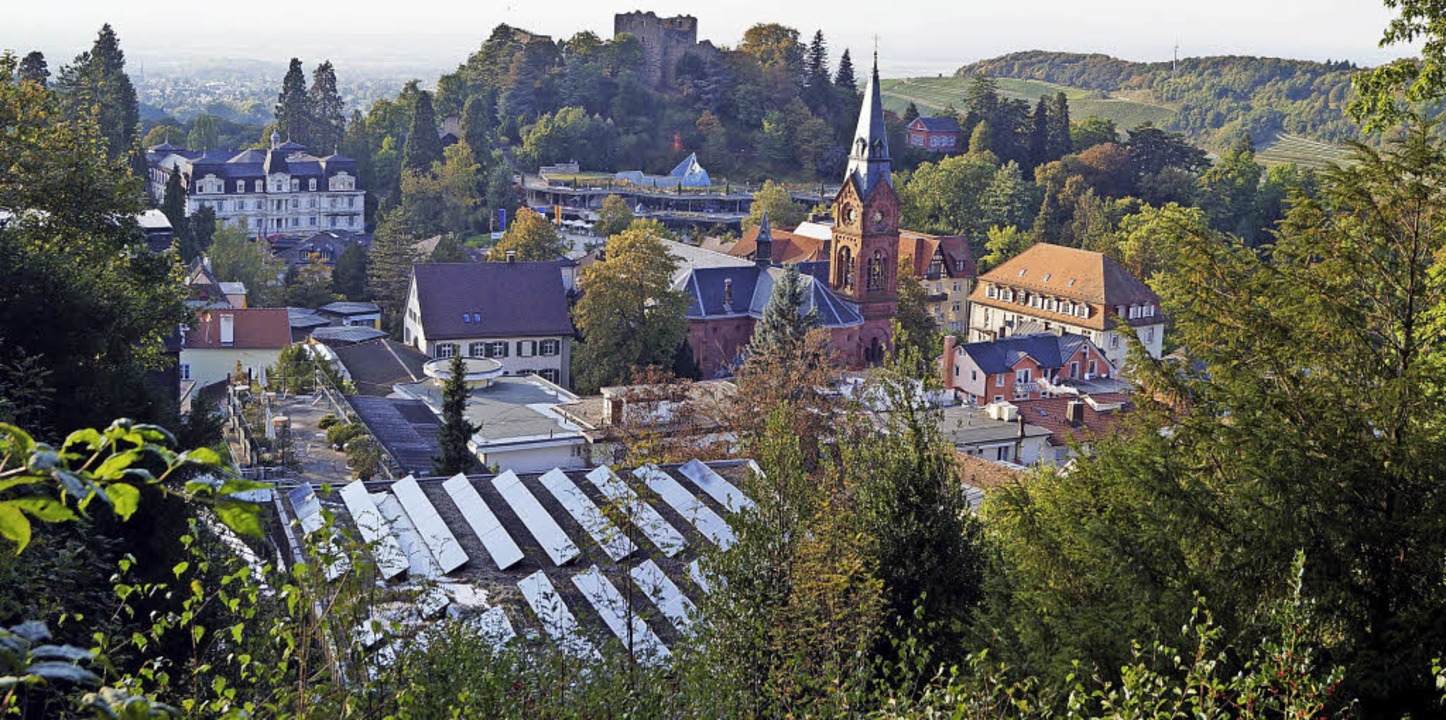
(854,291)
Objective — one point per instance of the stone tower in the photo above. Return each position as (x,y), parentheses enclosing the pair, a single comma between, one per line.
(664,41)
(865,263)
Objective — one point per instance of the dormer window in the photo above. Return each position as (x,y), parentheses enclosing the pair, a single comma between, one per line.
(1070,283)
(1022,271)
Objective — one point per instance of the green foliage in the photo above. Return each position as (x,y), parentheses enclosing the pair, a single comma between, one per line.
(530,238)
(327,111)
(457,430)
(613,217)
(95,86)
(423,147)
(238,257)
(389,267)
(1091,131)
(309,286)
(629,315)
(919,331)
(784,323)
(293,107)
(349,277)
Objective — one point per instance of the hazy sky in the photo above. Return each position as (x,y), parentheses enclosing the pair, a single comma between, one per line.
(928,36)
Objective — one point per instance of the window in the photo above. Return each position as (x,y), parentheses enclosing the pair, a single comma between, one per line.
(313,221)
(446,351)
(1114,342)
(552,375)
(1074,369)
(973,376)
(259,187)
(295,184)
(936,266)
(550,348)
(467,318)
(999,380)
(876,271)
(1149,335)
(477,349)
(526,348)
(1094,367)
(311,184)
(958,286)
(845,277)
(1023,375)
(185,371)
(998,398)
(956,371)
(497,349)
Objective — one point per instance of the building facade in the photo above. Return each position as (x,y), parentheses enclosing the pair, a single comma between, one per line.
(225,341)
(945,267)
(281,191)
(1020,367)
(513,312)
(1051,288)
(935,134)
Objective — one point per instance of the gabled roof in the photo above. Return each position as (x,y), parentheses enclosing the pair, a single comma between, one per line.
(751,286)
(788,248)
(491,299)
(1052,414)
(935,124)
(920,248)
(252,328)
(1050,351)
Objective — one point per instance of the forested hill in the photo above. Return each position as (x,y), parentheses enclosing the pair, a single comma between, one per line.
(1216,98)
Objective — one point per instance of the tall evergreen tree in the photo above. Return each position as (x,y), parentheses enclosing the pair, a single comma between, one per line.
(202,227)
(1039,133)
(173,205)
(455,457)
(423,147)
(911,113)
(328,111)
(818,91)
(477,124)
(293,107)
(389,269)
(33,69)
(844,78)
(784,323)
(1060,142)
(96,85)
(349,279)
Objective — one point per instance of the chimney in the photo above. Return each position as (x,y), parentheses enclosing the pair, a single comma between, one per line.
(728,295)
(511,256)
(1074,412)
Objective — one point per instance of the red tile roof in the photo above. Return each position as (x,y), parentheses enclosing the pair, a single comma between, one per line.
(254,328)
(1052,415)
(917,249)
(788,248)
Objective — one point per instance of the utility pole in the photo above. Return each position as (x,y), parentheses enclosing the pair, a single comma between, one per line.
(1175,66)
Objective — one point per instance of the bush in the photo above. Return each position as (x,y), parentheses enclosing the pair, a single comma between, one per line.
(342,433)
(327,421)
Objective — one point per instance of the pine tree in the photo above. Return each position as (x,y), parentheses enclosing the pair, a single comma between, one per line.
(423,147)
(784,323)
(173,205)
(96,85)
(293,107)
(844,79)
(1039,133)
(33,69)
(818,91)
(477,123)
(1059,143)
(349,279)
(328,111)
(911,113)
(389,269)
(455,456)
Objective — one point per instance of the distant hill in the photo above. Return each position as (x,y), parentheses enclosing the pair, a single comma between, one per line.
(932,94)
(1213,99)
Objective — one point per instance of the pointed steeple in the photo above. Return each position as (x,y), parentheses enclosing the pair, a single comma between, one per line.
(763,255)
(869,153)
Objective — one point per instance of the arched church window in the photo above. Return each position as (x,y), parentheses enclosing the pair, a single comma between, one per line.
(845,268)
(876,271)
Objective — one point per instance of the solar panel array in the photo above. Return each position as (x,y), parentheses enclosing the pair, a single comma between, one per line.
(429,530)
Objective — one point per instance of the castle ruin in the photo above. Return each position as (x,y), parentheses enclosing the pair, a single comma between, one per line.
(664,42)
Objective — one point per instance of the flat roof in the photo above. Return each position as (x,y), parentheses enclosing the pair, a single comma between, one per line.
(511,410)
(964,425)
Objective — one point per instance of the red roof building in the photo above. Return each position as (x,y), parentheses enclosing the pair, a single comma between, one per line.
(935,134)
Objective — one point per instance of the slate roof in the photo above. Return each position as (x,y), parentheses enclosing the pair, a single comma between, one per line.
(346,334)
(707,289)
(253,328)
(376,365)
(252,164)
(305,318)
(1049,350)
(935,124)
(349,308)
(517,299)
(406,429)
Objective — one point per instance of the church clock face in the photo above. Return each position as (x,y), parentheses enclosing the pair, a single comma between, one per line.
(879,219)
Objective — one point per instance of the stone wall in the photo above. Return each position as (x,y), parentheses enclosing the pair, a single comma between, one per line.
(664,41)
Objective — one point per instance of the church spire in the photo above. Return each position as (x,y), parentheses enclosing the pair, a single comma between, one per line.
(869,154)
(763,254)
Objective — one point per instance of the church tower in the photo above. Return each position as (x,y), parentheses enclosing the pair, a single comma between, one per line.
(865,249)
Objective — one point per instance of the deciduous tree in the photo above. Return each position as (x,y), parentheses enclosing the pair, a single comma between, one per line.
(529,238)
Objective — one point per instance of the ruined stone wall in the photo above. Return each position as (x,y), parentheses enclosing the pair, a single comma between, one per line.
(664,41)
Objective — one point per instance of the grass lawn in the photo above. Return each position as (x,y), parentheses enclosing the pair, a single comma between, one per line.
(933,94)
(1303,152)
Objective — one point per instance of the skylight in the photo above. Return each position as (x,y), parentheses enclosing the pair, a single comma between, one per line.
(1070,283)
(1023,271)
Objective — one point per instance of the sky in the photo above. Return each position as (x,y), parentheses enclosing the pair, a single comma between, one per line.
(922,37)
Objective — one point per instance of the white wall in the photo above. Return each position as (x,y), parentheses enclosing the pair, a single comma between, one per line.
(208,366)
(538,459)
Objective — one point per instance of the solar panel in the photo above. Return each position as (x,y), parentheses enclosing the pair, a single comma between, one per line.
(308,514)
(434,531)
(712,483)
(420,563)
(614,611)
(664,593)
(695,571)
(581,508)
(693,510)
(557,621)
(641,514)
(391,561)
(546,530)
(483,522)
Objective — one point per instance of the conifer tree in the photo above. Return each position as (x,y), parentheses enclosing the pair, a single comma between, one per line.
(1059,143)
(293,107)
(477,123)
(455,457)
(389,269)
(1039,133)
(844,79)
(173,206)
(327,111)
(33,69)
(96,85)
(784,323)
(349,279)
(911,113)
(423,147)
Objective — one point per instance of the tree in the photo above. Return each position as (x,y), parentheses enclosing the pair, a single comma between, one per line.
(309,286)
(1003,243)
(1060,142)
(444,199)
(349,278)
(1228,192)
(1149,241)
(1039,133)
(613,217)
(422,147)
(911,113)
(629,315)
(95,85)
(239,257)
(774,201)
(1091,131)
(1329,343)
(921,342)
(530,237)
(34,69)
(293,107)
(844,79)
(389,269)
(449,250)
(455,456)
(1152,150)
(477,124)
(1380,91)
(784,323)
(202,227)
(327,111)
(775,47)
(205,133)
(173,206)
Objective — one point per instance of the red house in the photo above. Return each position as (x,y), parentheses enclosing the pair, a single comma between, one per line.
(1020,367)
(936,134)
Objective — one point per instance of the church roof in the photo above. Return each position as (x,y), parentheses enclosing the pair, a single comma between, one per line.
(750,286)
(869,154)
